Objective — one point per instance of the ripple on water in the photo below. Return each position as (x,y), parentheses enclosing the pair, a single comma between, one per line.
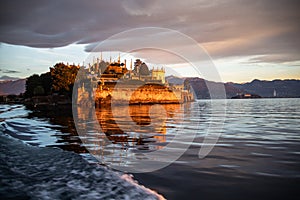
(260,154)
(261,137)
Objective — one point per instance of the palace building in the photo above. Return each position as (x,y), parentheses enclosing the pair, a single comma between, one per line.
(136,85)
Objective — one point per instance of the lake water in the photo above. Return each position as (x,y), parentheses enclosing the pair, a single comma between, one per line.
(257,155)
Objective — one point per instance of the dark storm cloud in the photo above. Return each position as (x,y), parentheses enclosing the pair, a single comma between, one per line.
(268,28)
(57,23)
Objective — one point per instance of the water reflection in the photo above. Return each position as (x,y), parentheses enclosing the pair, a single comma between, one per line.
(130,126)
(63,127)
(121,134)
(136,124)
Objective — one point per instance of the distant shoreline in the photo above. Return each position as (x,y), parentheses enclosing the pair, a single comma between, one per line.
(69,103)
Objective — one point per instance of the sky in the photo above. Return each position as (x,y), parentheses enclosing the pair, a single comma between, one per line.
(242,39)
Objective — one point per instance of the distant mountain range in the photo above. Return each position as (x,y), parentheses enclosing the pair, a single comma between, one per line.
(279,88)
(12,87)
(8,78)
(275,88)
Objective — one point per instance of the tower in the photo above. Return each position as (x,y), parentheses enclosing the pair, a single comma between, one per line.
(130,71)
(159,74)
(97,66)
(90,69)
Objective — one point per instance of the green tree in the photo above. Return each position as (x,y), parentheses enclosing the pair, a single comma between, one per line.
(38,91)
(63,78)
(31,83)
(46,82)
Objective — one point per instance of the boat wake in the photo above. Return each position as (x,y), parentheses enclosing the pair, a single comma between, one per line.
(49,173)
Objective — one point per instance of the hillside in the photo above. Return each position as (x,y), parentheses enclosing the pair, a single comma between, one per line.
(12,87)
(175,80)
(283,88)
(8,78)
(200,88)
